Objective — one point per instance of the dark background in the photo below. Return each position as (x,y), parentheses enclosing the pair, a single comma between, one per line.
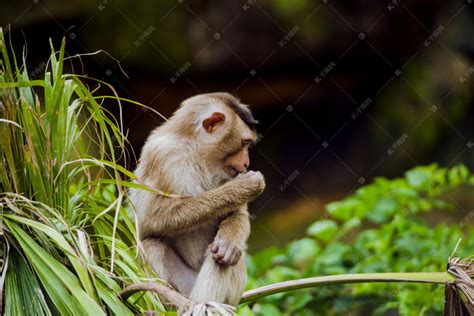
(345,90)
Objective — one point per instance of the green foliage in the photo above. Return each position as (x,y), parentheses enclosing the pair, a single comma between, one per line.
(66,242)
(382,227)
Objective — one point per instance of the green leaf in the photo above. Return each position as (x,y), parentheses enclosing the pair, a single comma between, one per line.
(279,274)
(418,178)
(61,285)
(349,225)
(345,210)
(323,230)
(21,285)
(263,260)
(244,311)
(383,210)
(266,310)
(298,300)
(303,252)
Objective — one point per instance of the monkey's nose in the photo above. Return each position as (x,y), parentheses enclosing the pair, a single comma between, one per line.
(240,168)
(232,171)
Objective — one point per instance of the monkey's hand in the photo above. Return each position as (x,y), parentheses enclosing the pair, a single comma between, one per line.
(252,182)
(225,252)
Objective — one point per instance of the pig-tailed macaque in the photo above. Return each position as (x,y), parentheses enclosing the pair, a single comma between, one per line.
(197,243)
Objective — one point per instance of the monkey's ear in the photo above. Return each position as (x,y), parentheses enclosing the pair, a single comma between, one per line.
(212,122)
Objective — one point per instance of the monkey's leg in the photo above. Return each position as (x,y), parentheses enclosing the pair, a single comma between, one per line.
(221,278)
(169,266)
(219,283)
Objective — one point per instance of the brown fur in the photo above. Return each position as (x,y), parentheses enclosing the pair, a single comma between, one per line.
(197,243)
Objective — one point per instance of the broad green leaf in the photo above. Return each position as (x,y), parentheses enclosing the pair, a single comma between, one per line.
(383,210)
(62,286)
(244,311)
(266,310)
(21,285)
(303,252)
(323,230)
(418,178)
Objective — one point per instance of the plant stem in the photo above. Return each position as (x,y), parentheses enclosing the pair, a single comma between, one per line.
(412,277)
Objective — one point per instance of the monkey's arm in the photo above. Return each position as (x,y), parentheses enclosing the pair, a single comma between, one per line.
(231,238)
(173,216)
(236,227)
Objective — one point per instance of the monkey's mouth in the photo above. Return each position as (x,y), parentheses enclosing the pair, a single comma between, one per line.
(231,171)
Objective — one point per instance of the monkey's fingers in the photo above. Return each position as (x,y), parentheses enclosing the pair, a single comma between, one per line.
(229,256)
(237,255)
(218,256)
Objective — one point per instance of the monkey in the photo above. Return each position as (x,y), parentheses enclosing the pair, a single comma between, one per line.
(197,243)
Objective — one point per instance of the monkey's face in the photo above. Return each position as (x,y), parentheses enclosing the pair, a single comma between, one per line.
(230,142)
(238,161)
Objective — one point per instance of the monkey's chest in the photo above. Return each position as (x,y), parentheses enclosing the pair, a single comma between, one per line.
(192,245)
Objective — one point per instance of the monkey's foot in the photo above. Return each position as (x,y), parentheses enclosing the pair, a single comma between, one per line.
(186,307)
(193,308)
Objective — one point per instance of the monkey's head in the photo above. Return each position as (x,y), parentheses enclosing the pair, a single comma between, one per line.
(222,129)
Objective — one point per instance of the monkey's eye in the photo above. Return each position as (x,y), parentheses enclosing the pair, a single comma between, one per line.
(246,142)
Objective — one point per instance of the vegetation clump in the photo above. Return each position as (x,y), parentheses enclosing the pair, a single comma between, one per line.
(68,245)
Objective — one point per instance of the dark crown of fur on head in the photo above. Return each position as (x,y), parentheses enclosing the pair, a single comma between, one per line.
(242,111)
